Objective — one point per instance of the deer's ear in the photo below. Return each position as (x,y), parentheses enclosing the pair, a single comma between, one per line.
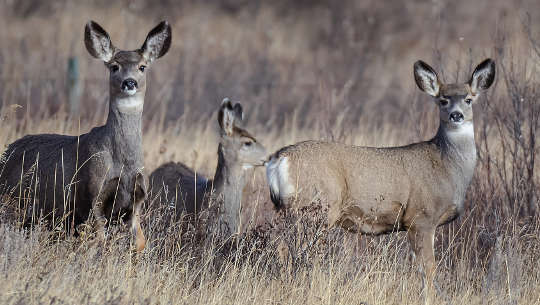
(97,41)
(426,78)
(140,187)
(157,42)
(227,116)
(483,76)
(238,112)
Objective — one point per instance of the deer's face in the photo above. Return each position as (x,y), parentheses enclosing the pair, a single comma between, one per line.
(237,146)
(127,73)
(455,100)
(455,104)
(127,68)
(243,150)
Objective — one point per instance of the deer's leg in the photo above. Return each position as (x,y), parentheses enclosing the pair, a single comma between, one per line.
(140,240)
(105,196)
(99,219)
(422,242)
(139,197)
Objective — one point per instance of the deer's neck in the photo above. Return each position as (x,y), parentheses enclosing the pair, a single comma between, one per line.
(458,152)
(229,182)
(124,128)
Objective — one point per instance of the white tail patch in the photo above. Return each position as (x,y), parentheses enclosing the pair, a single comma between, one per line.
(272,176)
(277,173)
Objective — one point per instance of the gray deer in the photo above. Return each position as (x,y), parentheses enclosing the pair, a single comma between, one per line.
(238,151)
(375,191)
(68,177)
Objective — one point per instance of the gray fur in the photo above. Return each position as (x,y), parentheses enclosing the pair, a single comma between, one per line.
(100,171)
(237,151)
(181,188)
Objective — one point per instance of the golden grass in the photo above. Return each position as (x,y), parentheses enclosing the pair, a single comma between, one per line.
(40,268)
(300,75)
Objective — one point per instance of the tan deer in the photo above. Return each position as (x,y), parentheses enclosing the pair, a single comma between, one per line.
(100,171)
(238,151)
(374,191)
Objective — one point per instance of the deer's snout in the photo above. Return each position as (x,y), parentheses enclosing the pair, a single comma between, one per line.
(456,117)
(129,86)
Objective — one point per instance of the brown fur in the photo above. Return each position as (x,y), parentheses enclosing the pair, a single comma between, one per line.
(382,190)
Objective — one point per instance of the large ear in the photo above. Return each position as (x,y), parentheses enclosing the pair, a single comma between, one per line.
(483,76)
(228,115)
(238,112)
(157,42)
(426,78)
(97,41)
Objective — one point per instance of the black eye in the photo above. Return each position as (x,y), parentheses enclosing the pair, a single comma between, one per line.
(443,102)
(114,68)
(248,143)
(141,68)
(468,101)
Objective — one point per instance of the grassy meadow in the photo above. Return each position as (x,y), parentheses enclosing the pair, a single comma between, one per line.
(330,70)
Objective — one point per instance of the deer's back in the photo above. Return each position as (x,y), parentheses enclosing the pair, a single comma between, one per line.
(41,151)
(373,190)
(180,187)
(58,171)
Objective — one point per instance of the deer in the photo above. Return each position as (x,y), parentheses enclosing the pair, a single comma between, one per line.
(238,151)
(98,173)
(369,190)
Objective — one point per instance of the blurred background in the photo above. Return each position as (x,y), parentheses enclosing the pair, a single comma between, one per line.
(333,58)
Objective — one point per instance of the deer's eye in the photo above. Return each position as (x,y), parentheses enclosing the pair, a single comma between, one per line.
(114,68)
(468,101)
(248,143)
(443,102)
(142,68)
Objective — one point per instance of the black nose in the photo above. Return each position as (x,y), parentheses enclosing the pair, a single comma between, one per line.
(129,84)
(456,116)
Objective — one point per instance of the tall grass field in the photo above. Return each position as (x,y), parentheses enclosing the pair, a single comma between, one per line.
(327,70)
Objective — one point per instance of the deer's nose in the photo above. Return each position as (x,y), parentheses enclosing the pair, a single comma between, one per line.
(129,84)
(456,116)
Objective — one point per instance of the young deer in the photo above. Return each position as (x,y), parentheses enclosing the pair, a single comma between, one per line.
(100,171)
(374,191)
(237,151)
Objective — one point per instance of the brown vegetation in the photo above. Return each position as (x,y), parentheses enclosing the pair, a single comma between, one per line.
(312,70)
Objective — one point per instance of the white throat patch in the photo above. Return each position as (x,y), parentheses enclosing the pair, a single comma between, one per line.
(465,130)
(130,103)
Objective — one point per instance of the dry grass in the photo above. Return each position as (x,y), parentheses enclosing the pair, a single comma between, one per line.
(311,70)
